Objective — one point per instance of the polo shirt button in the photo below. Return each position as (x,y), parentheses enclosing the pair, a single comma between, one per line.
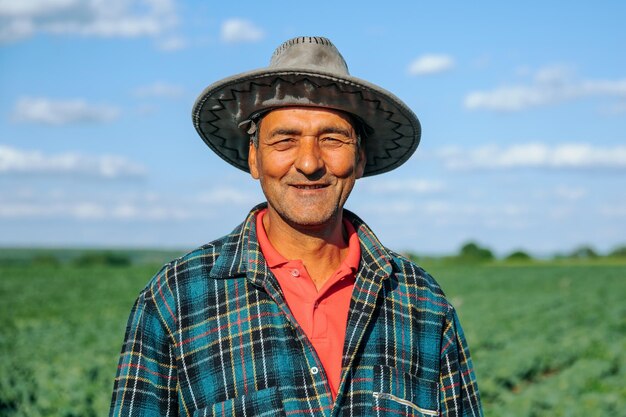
(314,370)
(295,273)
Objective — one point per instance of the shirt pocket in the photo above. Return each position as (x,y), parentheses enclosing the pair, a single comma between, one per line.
(264,403)
(401,393)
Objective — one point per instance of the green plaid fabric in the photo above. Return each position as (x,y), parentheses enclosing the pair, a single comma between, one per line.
(211,335)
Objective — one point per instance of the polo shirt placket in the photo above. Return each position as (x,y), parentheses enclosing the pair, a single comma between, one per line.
(323,314)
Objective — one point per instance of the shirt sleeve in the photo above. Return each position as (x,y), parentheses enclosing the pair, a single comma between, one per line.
(459,395)
(146,380)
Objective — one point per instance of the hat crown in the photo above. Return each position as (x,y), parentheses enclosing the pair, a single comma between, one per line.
(309,52)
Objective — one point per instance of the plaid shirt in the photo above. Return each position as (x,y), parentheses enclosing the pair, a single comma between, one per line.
(211,335)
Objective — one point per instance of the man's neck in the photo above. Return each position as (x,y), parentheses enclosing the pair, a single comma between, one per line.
(321,249)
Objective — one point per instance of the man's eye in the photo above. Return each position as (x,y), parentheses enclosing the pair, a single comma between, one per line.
(284,143)
(331,141)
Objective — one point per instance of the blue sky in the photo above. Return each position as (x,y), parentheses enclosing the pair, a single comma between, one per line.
(523,109)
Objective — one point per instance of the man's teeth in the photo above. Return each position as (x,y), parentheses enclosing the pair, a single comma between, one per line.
(309,187)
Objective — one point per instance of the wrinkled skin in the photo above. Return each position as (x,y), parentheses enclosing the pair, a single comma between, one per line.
(307,161)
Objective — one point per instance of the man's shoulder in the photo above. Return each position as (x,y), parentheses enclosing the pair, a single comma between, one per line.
(218,260)
(419,283)
(189,270)
(408,273)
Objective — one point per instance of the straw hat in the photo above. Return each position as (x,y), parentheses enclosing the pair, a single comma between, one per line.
(306,71)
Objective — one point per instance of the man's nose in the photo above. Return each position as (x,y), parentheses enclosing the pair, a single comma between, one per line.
(309,160)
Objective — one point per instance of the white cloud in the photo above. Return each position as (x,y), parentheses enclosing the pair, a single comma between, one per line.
(111,205)
(172,44)
(105,18)
(431,64)
(481,62)
(508,98)
(470,210)
(391,208)
(16,161)
(616,109)
(613,211)
(535,155)
(144,211)
(550,85)
(552,74)
(147,109)
(506,215)
(240,30)
(90,210)
(227,195)
(14,30)
(570,193)
(418,186)
(60,112)
(159,89)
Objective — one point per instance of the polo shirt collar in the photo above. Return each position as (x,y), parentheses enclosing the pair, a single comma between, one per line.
(241,254)
(275,259)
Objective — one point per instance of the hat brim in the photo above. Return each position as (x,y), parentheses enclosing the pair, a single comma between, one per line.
(393,136)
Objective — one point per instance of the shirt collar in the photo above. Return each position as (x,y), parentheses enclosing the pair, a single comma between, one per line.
(240,253)
(275,259)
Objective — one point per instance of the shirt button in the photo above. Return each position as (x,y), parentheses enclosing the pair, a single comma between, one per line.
(314,370)
(295,273)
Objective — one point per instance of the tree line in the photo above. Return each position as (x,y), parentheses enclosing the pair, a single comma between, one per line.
(473,252)
(469,252)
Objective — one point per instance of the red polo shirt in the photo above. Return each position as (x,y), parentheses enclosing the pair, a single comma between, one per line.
(322,314)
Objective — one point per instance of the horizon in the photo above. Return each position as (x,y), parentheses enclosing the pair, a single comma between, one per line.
(184,250)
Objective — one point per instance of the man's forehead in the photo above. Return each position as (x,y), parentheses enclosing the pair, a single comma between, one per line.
(308,110)
(295,115)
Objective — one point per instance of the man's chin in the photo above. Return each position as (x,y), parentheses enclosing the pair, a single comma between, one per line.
(311,222)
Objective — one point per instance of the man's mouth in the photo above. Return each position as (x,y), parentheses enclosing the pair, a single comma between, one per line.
(309,186)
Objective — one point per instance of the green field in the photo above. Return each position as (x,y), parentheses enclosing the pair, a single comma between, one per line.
(547,339)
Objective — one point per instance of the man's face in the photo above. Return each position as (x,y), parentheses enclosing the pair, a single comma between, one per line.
(307,161)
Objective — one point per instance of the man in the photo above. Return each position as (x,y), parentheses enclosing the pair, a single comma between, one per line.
(300,311)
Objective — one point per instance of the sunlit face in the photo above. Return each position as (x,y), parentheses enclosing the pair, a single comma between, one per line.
(307,161)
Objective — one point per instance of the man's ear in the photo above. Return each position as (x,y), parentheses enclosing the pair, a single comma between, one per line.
(254,171)
(360,163)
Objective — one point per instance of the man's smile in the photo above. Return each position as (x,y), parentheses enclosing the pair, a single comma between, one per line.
(309,186)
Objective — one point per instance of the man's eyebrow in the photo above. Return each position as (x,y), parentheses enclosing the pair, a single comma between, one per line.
(337,130)
(281,131)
